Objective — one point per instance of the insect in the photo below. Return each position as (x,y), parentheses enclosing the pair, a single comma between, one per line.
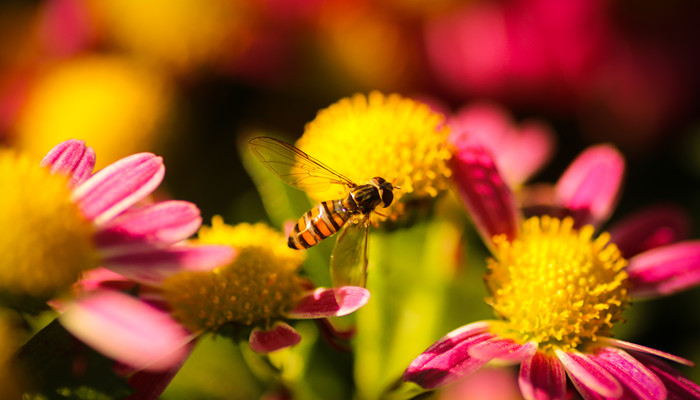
(350,216)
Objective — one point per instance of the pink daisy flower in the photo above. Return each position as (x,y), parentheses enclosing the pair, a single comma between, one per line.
(558,289)
(254,294)
(59,220)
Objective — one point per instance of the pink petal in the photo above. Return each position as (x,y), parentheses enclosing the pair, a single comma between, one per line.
(119,186)
(280,336)
(490,202)
(323,303)
(153,265)
(542,377)
(590,187)
(502,349)
(588,375)
(635,376)
(519,152)
(102,278)
(484,121)
(71,158)
(651,227)
(126,329)
(448,359)
(678,386)
(665,270)
(526,152)
(165,222)
(643,349)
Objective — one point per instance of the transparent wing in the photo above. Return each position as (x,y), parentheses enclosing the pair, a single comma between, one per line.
(295,167)
(349,257)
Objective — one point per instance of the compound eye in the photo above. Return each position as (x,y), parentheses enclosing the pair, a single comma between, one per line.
(387,197)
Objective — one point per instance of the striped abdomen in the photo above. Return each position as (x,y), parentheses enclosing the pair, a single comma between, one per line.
(318,223)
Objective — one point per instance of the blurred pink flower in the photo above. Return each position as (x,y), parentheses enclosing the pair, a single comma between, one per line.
(256,292)
(133,239)
(558,290)
(518,48)
(89,220)
(142,334)
(66,28)
(519,151)
(572,57)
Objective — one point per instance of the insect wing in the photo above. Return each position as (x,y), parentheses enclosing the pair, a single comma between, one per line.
(349,257)
(295,167)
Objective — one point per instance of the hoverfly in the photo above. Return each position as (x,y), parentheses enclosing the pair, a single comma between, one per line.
(349,215)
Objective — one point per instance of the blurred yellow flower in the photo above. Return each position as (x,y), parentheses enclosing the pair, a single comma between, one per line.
(389,136)
(45,242)
(176,34)
(111,103)
(370,46)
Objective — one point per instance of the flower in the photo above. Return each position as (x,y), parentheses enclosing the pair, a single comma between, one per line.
(558,290)
(519,151)
(60,220)
(255,293)
(77,96)
(393,137)
(179,36)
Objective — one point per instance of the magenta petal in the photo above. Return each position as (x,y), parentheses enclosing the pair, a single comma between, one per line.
(588,376)
(71,158)
(119,186)
(678,386)
(665,270)
(323,303)
(280,336)
(126,329)
(502,349)
(590,187)
(448,359)
(490,202)
(651,227)
(542,377)
(643,349)
(633,374)
(153,265)
(165,222)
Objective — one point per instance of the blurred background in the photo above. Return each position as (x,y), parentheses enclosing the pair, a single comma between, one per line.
(193,80)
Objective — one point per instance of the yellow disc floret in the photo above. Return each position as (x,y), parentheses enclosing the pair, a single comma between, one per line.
(45,242)
(557,285)
(392,137)
(258,287)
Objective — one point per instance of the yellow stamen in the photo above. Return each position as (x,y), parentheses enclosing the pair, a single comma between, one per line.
(259,286)
(45,242)
(393,137)
(557,285)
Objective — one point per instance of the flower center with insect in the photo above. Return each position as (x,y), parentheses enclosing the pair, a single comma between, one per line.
(557,285)
(45,242)
(393,137)
(258,287)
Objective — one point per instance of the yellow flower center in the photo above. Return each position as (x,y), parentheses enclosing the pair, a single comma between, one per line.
(393,137)
(259,286)
(45,242)
(557,285)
